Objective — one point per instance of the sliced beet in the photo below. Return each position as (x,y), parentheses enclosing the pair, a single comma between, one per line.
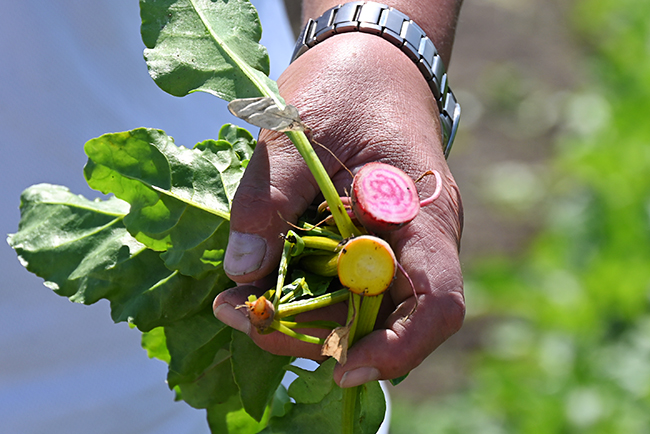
(384,198)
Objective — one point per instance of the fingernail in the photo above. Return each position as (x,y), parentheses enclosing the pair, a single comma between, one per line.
(244,253)
(235,318)
(359,376)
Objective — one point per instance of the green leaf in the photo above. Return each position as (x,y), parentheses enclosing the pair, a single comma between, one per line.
(396,381)
(229,155)
(155,344)
(177,195)
(206,45)
(241,139)
(319,405)
(193,344)
(312,386)
(215,384)
(258,374)
(316,285)
(205,258)
(68,240)
(230,417)
(281,404)
(83,251)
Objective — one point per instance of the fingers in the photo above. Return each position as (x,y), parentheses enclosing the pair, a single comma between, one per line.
(275,189)
(404,343)
(399,127)
(225,309)
(428,250)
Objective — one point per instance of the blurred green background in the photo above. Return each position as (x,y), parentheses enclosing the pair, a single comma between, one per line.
(553,161)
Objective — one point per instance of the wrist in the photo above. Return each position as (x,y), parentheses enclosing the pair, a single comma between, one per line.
(437,18)
(362,95)
(403,33)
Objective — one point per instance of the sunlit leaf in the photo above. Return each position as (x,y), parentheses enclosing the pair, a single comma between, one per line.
(177,196)
(83,251)
(206,45)
(230,417)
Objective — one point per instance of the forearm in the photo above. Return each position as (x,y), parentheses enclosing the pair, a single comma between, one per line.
(436,17)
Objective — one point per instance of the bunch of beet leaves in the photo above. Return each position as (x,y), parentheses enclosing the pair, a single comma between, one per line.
(155,249)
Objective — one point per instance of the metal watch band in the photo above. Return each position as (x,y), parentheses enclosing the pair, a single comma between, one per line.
(397,28)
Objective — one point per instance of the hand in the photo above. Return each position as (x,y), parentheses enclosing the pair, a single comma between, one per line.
(365,101)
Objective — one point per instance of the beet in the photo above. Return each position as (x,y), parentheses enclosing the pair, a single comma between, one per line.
(384,198)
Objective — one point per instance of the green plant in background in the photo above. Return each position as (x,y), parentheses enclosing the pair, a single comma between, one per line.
(570,352)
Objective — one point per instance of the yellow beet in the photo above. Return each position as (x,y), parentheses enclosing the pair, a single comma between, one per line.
(367,265)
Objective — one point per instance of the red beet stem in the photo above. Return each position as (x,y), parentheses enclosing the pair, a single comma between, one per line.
(436,193)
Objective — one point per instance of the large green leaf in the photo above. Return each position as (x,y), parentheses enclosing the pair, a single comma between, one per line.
(68,240)
(257,373)
(206,45)
(192,345)
(83,251)
(177,197)
(180,198)
(214,386)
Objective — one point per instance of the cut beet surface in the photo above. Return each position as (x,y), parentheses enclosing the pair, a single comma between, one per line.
(384,198)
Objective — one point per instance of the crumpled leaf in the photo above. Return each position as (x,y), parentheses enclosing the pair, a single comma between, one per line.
(336,344)
(206,45)
(319,405)
(263,112)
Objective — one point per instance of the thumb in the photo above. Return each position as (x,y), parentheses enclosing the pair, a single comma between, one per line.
(276,188)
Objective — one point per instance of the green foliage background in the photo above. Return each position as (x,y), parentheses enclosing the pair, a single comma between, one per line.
(569,346)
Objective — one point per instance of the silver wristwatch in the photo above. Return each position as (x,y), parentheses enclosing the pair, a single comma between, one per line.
(395,27)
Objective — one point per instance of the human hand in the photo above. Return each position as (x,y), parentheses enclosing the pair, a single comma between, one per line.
(365,101)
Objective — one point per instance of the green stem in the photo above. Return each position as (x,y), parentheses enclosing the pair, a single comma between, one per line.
(368,315)
(321,243)
(317,230)
(353,316)
(350,394)
(297,307)
(290,295)
(349,403)
(341,217)
(277,325)
(330,325)
(363,324)
(282,272)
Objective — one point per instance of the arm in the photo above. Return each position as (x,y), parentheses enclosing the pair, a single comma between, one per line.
(366,101)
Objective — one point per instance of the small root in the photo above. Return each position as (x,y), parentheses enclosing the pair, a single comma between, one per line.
(415,294)
(309,133)
(438,190)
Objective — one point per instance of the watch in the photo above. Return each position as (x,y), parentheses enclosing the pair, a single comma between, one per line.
(398,29)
